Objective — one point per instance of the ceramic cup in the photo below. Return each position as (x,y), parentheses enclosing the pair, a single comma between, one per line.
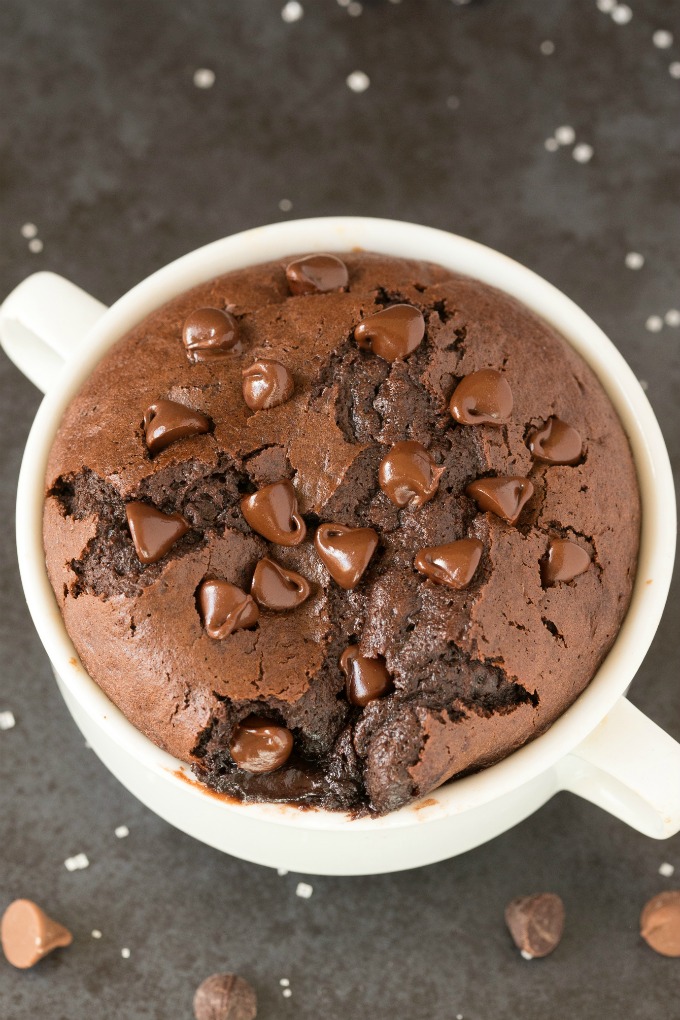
(601,748)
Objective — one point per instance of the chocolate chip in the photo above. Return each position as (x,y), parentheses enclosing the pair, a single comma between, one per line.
(266,384)
(153,532)
(225,997)
(392,333)
(453,564)
(272,512)
(209,333)
(315,274)
(556,442)
(482,398)
(367,679)
(225,608)
(274,587)
(260,745)
(409,475)
(565,561)
(345,552)
(166,421)
(27,934)
(504,496)
(660,923)
(536,923)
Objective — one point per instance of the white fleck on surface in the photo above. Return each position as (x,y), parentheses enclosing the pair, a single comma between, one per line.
(355,9)
(606,6)
(565,135)
(281,872)
(526,956)
(634,260)
(284,982)
(96,934)
(551,144)
(35,245)
(666,869)
(547,47)
(285,205)
(292,11)
(662,39)
(453,102)
(583,153)
(122,831)
(125,953)
(644,384)
(76,863)
(672,317)
(459,1016)
(7,720)
(674,69)
(622,14)
(29,230)
(204,78)
(304,890)
(286,993)
(358,81)
(654,324)
(344,3)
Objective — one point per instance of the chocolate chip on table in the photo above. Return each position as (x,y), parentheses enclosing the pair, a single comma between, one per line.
(266,384)
(225,608)
(274,587)
(260,745)
(482,398)
(660,923)
(366,678)
(536,923)
(28,934)
(505,496)
(153,532)
(273,512)
(345,552)
(556,442)
(166,421)
(453,564)
(392,333)
(315,274)
(565,561)
(408,474)
(209,333)
(225,997)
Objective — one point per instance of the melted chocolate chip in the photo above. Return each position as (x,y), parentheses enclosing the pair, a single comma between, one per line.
(536,923)
(225,997)
(453,564)
(274,587)
(225,608)
(556,442)
(209,333)
(272,512)
(565,561)
(345,552)
(392,333)
(153,532)
(505,496)
(166,421)
(409,475)
(259,745)
(266,384)
(315,274)
(660,923)
(482,398)
(367,679)
(28,934)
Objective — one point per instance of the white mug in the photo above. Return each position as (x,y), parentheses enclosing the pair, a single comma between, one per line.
(601,748)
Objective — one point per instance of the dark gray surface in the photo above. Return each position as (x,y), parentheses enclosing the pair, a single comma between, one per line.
(124,164)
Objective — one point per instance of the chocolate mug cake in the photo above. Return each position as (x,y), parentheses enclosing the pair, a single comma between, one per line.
(335,530)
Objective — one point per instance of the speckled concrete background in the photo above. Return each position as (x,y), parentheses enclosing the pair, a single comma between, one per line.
(123,163)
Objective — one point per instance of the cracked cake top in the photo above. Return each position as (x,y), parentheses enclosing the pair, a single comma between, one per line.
(334,530)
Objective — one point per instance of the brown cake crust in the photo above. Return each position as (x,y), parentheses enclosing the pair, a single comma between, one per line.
(476,672)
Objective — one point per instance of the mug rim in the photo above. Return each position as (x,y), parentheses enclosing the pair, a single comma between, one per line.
(406,240)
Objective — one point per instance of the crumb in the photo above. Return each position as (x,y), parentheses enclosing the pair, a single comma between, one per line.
(304,890)
(122,831)
(7,721)
(76,863)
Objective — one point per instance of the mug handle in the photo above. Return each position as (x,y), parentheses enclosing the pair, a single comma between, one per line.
(42,322)
(630,767)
